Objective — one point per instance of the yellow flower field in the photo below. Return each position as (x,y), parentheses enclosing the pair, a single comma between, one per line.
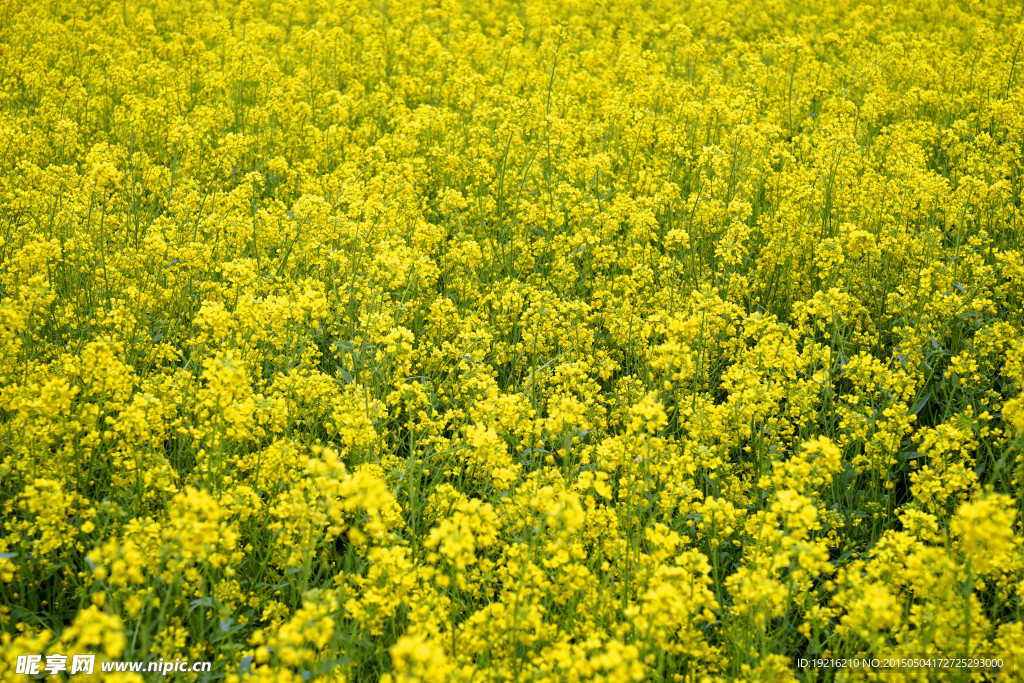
(439,340)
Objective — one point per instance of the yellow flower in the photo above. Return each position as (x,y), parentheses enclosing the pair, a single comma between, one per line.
(985,529)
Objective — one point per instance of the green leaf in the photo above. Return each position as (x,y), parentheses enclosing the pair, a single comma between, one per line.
(920,403)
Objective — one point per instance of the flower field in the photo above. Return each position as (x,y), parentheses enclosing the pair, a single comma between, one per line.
(512,341)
